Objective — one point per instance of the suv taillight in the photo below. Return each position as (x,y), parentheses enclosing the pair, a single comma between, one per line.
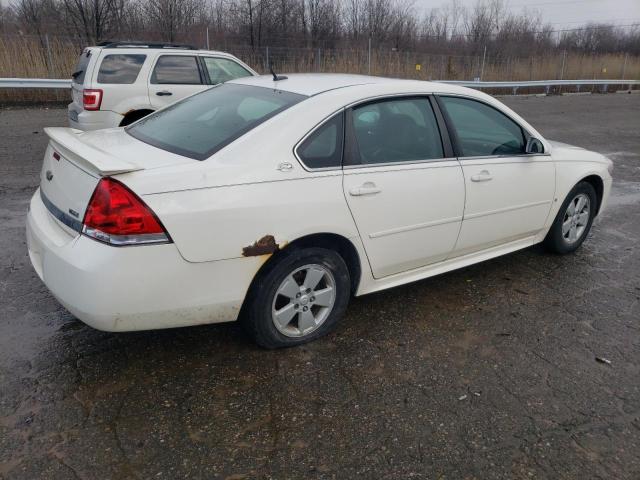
(91,98)
(117,216)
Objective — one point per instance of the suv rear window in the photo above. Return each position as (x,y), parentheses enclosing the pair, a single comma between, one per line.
(81,67)
(120,68)
(176,70)
(202,124)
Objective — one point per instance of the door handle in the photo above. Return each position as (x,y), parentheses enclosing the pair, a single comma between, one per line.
(367,188)
(164,93)
(483,176)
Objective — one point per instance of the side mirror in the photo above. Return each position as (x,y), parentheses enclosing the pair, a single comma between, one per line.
(534,146)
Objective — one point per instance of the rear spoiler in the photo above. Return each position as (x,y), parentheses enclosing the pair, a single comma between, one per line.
(85,156)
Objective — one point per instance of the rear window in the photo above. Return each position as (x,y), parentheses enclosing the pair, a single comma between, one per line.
(81,67)
(121,69)
(202,124)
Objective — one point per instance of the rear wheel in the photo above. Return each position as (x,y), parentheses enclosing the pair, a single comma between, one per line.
(299,299)
(574,220)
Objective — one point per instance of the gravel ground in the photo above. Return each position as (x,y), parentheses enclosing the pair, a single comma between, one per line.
(486,372)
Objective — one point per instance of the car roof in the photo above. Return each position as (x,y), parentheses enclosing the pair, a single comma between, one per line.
(311,84)
(124,46)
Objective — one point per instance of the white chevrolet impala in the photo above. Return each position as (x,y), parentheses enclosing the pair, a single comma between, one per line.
(272,200)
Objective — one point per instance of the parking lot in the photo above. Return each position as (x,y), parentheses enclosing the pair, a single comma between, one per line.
(486,372)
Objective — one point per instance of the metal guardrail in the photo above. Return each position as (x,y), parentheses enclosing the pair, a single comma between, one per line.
(546,84)
(34,83)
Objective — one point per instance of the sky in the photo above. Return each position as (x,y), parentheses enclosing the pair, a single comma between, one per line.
(566,13)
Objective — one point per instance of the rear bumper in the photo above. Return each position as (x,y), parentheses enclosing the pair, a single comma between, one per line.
(92,120)
(133,288)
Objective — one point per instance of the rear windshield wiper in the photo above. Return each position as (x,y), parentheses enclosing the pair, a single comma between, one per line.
(74,75)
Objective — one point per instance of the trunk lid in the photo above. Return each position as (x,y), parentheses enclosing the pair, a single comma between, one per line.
(75,161)
(65,187)
(70,172)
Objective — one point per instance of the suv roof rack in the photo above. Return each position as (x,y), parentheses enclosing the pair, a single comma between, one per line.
(136,44)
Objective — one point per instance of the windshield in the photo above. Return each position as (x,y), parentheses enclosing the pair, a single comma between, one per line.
(202,124)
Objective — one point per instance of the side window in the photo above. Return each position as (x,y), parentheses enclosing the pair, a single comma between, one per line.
(222,70)
(396,130)
(482,130)
(323,148)
(176,69)
(120,68)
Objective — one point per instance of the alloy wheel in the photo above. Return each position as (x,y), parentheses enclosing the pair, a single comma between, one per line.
(576,218)
(304,300)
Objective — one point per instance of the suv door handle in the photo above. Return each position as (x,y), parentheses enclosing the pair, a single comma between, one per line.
(483,176)
(164,93)
(367,188)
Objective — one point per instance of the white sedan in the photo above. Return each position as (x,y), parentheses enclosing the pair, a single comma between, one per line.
(273,200)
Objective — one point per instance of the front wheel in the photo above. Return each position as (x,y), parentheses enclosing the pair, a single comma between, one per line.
(298,299)
(574,220)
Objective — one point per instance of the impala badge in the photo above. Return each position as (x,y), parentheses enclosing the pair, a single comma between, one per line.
(49,175)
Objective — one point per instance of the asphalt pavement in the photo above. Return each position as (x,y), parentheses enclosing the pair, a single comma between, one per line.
(486,372)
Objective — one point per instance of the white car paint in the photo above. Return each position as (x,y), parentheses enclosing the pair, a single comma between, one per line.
(418,228)
(121,99)
(428,218)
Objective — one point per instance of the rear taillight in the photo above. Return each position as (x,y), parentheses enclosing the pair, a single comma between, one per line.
(117,216)
(91,99)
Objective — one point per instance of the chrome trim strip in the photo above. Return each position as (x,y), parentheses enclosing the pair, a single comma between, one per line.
(63,217)
(498,157)
(403,163)
(418,226)
(506,209)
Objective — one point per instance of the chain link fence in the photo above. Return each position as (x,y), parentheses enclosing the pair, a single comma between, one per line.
(54,57)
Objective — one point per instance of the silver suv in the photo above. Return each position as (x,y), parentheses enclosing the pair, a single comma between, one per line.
(117,83)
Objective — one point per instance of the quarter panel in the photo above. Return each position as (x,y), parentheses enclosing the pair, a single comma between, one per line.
(217,223)
(568,175)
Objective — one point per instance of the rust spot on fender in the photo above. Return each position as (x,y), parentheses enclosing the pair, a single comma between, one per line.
(266,245)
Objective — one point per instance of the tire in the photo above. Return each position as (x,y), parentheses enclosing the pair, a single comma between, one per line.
(273,298)
(561,241)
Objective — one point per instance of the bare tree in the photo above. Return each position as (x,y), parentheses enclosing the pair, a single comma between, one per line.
(92,19)
(34,15)
(389,24)
(170,17)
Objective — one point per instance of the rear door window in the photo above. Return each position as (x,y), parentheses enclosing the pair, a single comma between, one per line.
(80,69)
(222,70)
(121,69)
(395,130)
(176,70)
